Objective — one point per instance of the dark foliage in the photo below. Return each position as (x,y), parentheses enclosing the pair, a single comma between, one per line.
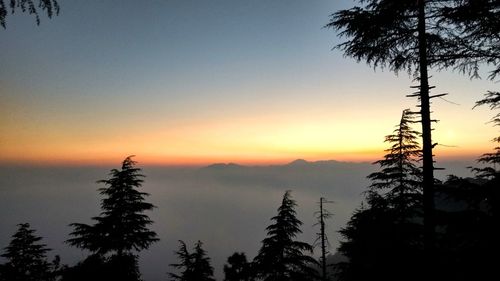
(379,246)
(475,36)
(410,35)
(384,33)
(383,241)
(27,258)
(492,99)
(468,229)
(122,227)
(238,268)
(33,7)
(400,180)
(99,268)
(193,266)
(281,257)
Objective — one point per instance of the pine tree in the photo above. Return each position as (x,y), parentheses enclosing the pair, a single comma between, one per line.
(492,172)
(51,7)
(400,180)
(202,270)
(193,266)
(492,99)
(476,25)
(122,227)
(413,36)
(237,268)
(281,257)
(382,240)
(27,258)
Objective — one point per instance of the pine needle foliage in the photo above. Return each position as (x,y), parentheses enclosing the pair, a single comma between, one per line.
(492,100)
(281,257)
(122,226)
(32,7)
(400,179)
(193,266)
(27,258)
(383,239)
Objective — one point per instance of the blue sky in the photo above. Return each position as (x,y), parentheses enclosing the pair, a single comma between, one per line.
(196,81)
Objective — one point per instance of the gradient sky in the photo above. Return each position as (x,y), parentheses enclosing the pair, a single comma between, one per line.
(195,82)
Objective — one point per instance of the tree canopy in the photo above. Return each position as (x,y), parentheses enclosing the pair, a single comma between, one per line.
(281,257)
(27,258)
(237,268)
(122,227)
(193,266)
(382,240)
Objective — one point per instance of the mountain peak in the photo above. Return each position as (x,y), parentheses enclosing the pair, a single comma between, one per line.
(298,162)
(223,166)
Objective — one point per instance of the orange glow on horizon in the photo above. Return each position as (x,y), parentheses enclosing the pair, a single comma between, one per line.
(203,160)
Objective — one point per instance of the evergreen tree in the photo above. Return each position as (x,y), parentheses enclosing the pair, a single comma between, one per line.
(51,7)
(122,226)
(193,266)
(476,25)
(492,172)
(492,99)
(27,258)
(415,35)
(202,270)
(237,268)
(382,241)
(185,264)
(281,257)
(400,180)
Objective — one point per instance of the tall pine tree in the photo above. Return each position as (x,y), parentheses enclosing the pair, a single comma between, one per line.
(281,257)
(400,179)
(122,227)
(415,36)
(382,240)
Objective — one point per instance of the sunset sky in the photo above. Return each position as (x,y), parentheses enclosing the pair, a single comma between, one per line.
(196,82)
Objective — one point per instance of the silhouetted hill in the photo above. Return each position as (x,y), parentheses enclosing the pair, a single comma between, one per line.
(298,162)
(222,166)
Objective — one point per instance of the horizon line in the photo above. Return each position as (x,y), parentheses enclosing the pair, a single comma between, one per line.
(200,162)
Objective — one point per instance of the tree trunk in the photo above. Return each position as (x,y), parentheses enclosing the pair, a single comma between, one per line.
(428,169)
(323,240)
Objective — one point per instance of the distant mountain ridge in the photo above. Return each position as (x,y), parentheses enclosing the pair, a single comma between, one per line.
(295,163)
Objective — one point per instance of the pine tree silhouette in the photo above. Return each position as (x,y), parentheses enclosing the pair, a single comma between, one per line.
(382,240)
(281,257)
(122,227)
(27,258)
(193,266)
(413,36)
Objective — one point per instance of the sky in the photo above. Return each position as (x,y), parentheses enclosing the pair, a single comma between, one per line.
(196,82)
